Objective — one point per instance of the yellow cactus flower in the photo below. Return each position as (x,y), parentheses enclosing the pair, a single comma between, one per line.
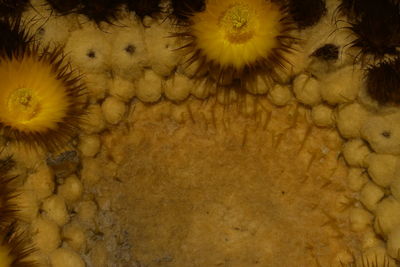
(40,100)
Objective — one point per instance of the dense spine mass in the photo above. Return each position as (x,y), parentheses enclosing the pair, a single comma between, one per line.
(375,24)
(383,82)
(104,10)
(184,9)
(143,8)
(7,193)
(307,13)
(12,8)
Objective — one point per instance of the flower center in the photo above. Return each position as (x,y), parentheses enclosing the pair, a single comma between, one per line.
(236,23)
(23,104)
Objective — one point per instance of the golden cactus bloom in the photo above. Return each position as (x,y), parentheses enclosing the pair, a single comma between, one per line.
(237,33)
(237,39)
(40,100)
